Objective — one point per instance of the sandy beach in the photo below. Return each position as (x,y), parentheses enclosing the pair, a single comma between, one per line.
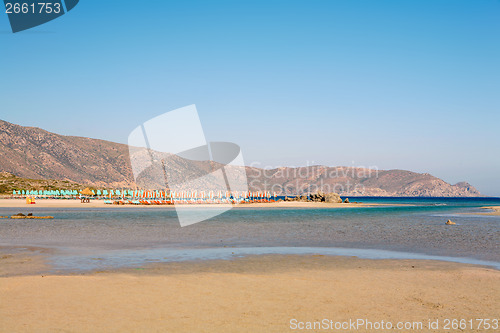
(494,210)
(253,294)
(266,293)
(250,167)
(75,203)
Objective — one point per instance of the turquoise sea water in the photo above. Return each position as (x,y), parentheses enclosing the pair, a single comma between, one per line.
(113,237)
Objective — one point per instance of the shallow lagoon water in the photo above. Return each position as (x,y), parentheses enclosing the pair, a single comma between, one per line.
(111,237)
(130,258)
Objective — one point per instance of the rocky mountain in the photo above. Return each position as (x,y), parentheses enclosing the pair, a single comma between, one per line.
(37,154)
(350,181)
(30,152)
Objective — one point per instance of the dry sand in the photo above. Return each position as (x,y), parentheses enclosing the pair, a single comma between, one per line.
(52,203)
(75,203)
(253,294)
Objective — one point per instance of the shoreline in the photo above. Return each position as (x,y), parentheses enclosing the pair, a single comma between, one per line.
(75,203)
(39,262)
(250,294)
(119,259)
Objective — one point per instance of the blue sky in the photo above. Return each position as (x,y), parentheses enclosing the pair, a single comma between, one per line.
(394,84)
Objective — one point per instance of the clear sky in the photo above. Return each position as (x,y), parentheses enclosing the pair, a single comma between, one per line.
(395,84)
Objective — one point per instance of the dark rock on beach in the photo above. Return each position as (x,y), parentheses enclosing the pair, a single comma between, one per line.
(325,197)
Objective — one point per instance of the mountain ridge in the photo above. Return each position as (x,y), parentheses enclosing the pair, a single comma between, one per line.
(32,152)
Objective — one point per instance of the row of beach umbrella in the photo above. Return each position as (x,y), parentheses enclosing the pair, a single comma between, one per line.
(149,194)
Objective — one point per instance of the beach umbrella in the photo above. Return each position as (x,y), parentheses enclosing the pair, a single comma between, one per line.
(87,192)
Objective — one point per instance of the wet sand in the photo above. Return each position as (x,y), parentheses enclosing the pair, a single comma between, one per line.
(75,203)
(17,261)
(252,294)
